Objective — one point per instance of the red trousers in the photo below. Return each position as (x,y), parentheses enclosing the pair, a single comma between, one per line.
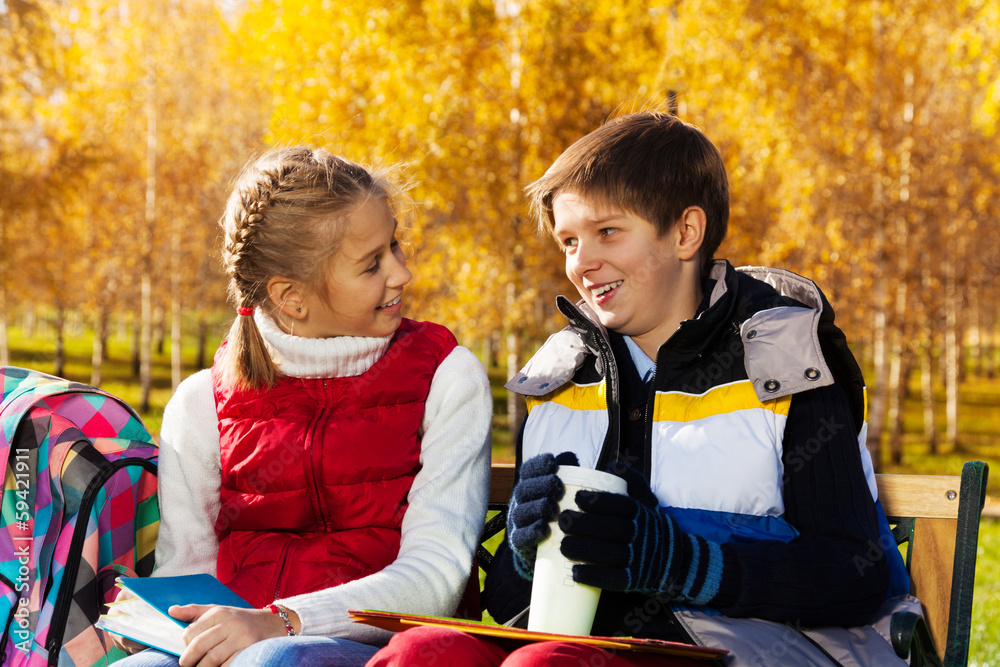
(430,646)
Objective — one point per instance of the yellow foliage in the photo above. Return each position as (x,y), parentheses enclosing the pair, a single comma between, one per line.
(856,134)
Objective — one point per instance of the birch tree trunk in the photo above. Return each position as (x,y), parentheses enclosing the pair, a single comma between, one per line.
(880,385)
(901,363)
(29,321)
(136,348)
(202,342)
(951,356)
(975,333)
(146,341)
(146,338)
(516,407)
(59,363)
(902,369)
(927,396)
(992,350)
(99,350)
(176,365)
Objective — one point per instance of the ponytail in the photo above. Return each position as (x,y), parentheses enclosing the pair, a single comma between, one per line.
(247,364)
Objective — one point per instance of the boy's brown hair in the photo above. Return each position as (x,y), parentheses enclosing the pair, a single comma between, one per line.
(649,164)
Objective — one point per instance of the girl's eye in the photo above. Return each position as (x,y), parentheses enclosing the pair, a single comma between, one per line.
(569,243)
(373,268)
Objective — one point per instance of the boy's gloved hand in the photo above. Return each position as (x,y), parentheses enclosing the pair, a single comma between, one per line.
(628,544)
(534,502)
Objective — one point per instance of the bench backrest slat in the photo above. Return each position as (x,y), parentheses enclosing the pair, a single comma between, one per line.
(928,496)
(501,483)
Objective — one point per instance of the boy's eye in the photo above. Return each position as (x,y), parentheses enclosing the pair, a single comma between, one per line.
(608,231)
(373,268)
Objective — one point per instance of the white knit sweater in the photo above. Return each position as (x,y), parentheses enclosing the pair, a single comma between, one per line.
(447,502)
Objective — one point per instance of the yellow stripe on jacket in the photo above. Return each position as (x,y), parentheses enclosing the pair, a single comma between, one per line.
(574,396)
(674,406)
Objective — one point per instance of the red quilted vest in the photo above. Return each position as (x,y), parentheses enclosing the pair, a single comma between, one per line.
(316,472)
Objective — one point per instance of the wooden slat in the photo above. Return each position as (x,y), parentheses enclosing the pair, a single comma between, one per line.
(919,495)
(931,571)
(501,482)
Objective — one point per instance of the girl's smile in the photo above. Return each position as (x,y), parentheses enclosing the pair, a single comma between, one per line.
(392,304)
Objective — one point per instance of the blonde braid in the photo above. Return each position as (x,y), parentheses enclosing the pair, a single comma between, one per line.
(249,218)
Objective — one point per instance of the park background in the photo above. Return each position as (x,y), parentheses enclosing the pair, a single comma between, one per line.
(860,139)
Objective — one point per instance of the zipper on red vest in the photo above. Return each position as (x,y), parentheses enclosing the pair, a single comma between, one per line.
(313,457)
(279,578)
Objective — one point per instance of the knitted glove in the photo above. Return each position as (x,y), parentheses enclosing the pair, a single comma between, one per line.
(534,502)
(628,544)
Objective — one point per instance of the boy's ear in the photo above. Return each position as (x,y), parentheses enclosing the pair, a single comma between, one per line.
(691,232)
(287,297)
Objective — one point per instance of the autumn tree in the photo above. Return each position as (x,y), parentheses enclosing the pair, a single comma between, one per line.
(168,120)
(28,56)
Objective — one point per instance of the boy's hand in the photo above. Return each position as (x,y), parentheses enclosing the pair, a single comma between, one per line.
(218,633)
(628,544)
(534,502)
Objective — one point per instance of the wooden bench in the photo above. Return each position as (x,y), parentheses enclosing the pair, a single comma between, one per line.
(936,516)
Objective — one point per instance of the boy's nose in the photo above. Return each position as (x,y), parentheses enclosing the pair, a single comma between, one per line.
(584,259)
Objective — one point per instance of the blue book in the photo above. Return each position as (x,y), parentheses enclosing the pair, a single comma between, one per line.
(144,618)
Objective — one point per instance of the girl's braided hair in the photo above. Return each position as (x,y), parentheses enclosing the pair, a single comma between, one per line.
(284,218)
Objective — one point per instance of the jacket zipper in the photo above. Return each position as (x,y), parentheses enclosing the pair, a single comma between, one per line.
(647,463)
(54,641)
(613,437)
(611,373)
(282,557)
(313,475)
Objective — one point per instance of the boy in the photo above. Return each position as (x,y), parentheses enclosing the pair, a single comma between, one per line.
(727,399)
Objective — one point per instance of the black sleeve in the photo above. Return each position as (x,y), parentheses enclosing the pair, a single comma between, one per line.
(505,593)
(834,572)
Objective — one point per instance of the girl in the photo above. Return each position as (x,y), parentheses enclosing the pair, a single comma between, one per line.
(336,455)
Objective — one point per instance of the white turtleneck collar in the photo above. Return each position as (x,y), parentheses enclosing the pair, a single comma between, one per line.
(341,356)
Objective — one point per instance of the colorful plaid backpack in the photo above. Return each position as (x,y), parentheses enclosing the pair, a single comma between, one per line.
(79,509)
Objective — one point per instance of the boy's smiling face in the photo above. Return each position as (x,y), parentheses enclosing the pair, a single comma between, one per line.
(639,283)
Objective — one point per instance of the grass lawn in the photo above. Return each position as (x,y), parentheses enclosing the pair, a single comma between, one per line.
(984,650)
(980,421)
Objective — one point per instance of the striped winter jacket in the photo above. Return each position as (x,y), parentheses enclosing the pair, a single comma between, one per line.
(715,412)
(733,385)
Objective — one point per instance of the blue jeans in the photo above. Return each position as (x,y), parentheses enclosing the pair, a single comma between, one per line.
(277,652)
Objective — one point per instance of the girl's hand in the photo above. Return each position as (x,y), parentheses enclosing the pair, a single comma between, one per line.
(217,633)
(122,643)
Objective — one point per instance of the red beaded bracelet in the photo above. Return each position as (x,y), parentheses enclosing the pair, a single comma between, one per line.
(275,609)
